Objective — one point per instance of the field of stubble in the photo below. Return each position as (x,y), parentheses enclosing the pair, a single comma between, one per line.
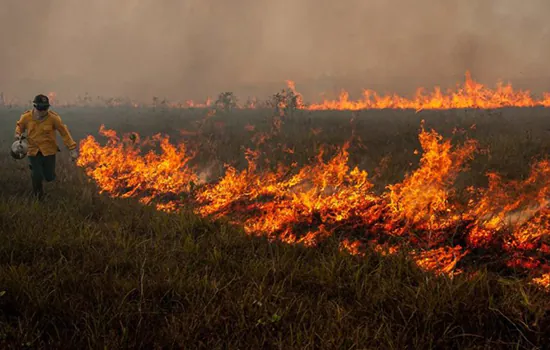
(85,270)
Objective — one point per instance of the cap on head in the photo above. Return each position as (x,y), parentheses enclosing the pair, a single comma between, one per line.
(41,102)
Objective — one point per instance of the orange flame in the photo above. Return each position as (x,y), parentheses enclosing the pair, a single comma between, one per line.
(120,170)
(507,223)
(470,94)
(423,197)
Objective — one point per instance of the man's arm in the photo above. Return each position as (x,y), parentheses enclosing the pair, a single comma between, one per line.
(20,127)
(65,134)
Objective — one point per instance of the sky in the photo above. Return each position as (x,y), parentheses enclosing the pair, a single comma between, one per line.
(191,49)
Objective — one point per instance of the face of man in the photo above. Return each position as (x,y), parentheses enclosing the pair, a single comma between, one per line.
(40,111)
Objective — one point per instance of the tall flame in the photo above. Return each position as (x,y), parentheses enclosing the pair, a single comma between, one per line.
(507,223)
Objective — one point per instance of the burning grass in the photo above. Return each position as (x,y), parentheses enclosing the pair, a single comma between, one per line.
(469,94)
(506,223)
(88,269)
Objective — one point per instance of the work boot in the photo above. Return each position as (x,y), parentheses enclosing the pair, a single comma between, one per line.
(38,190)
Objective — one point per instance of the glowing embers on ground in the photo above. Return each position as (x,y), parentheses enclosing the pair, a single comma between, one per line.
(505,226)
(470,94)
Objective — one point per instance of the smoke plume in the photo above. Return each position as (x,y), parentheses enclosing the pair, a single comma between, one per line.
(191,49)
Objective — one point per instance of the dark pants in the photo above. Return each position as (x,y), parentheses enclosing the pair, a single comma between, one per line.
(42,168)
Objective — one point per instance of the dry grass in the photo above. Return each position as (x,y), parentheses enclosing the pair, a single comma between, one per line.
(86,271)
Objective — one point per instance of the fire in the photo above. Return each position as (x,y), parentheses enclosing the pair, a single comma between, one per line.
(121,170)
(353,248)
(517,210)
(423,197)
(327,192)
(442,260)
(543,281)
(507,223)
(470,94)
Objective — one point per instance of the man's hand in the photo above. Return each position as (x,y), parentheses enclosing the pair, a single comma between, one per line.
(74,155)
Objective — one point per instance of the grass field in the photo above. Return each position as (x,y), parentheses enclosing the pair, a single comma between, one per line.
(85,270)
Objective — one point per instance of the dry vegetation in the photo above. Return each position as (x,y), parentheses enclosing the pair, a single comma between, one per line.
(84,270)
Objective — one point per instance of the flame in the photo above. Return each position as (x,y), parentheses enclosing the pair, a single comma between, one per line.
(507,223)
(121,170)
(469,94)
(518,210)
(422,199)
(441,260)
(354,248)
(543,281)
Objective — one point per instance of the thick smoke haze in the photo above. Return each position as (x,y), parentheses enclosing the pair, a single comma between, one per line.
(191,49)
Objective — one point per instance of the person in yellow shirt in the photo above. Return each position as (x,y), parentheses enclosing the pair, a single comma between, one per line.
(41,123)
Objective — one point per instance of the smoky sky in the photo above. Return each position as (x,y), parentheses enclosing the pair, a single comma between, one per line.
(191,49)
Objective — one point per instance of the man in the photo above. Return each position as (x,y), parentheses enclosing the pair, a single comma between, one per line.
(40,123)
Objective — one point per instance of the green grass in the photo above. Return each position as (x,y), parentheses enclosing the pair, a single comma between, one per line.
(85,271)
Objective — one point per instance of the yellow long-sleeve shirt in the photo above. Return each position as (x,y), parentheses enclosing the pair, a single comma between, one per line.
(41,133)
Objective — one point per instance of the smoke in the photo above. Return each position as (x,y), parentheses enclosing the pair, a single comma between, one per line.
(183,49)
